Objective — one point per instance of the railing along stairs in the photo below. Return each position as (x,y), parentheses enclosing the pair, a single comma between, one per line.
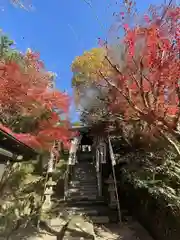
(113,163)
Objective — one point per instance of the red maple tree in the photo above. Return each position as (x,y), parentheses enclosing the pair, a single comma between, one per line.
(147,86)
(27,92)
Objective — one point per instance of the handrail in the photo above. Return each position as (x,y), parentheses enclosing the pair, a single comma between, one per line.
(113,162)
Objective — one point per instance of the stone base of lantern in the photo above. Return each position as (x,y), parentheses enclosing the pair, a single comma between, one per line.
(47,202)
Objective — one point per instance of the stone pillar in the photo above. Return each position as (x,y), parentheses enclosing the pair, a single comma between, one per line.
(103,153)
(98,172)
(102,147)
(112,192)
(100,159)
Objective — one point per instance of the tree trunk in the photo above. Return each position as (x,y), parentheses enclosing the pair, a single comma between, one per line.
(171,140)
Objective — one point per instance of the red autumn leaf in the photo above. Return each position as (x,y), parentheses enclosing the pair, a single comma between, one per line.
(151,67)
(26,92)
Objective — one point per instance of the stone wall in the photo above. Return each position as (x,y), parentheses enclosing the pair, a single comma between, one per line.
(155,209)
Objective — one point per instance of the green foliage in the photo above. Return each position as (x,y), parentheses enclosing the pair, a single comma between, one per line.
(22,190)
(152,194)
(157,172)
(21,193)
(60,170)
(7,52)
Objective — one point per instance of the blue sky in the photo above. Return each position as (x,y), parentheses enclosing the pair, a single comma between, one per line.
(60,30)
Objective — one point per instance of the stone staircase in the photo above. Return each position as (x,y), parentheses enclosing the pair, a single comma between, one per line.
(82,196)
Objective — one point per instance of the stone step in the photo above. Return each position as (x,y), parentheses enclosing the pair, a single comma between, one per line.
(95,215)
(86,167)
(95,210)
(82,183)
(74,193)
(82,192)
(82,189)
(85,179)
(88,170)
(84,203)
(85,173)
(85,182)
(83,212)
(86,176)
(100,219)
(84,170)
(89,210)
(84,197)
(85,164)
(76,238)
